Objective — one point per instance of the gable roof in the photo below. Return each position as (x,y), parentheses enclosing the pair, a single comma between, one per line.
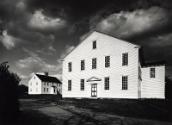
(45,78)
(153,63)
(90,33)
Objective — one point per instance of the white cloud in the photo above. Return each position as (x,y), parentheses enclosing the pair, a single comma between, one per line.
(50,50)
(124,24)
(7,40)
(34,63)
(40,21)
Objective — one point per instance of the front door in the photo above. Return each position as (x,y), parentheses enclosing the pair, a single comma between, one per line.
(94,90)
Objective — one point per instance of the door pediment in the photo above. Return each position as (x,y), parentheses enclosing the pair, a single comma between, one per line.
(92,79)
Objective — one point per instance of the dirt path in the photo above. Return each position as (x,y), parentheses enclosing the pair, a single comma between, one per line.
(70,115)
(74,116)
(62,115)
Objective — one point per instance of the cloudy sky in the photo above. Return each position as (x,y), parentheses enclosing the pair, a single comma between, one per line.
(36,34)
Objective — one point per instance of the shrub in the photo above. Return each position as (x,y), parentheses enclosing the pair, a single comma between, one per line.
(9,105)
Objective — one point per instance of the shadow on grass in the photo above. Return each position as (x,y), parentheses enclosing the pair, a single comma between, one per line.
(34,117)
(31,117)
(146,109)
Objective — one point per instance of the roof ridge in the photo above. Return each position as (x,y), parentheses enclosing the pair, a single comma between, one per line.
(48,78)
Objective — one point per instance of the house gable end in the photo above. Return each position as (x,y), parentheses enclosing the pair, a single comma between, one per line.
(96,36)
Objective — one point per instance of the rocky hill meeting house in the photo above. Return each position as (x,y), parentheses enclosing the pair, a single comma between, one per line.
(102,66)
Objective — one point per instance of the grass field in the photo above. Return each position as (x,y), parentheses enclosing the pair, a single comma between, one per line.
(50,110)
(147,109)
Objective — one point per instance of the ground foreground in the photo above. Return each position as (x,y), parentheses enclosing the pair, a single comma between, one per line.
(36,111)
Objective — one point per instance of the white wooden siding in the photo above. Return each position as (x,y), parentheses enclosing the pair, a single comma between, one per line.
(39,89)
(36,89)
(153,87)
(106,46)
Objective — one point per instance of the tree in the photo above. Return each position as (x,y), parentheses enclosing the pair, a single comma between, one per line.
(168,95)
(9,105)
(23,90)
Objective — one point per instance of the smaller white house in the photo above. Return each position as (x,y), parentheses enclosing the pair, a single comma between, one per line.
(44,84)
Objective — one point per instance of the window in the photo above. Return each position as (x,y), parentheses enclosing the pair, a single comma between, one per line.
(124,82)
(94,45)
(106,83)
(94,63)
(47,84)
(152,72)
(47,89)
(36,83)
(44,89)
(30,90)
(82,84)
(82,65)
(69,85)
(70,66)
(107,61)
(125,59)
(44,84)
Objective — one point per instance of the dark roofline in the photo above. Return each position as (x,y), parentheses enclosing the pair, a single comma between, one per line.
(153,63)
(89,33)
(48,78)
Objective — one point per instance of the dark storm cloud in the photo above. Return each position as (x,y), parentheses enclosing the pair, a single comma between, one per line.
(55,26)
(134,24)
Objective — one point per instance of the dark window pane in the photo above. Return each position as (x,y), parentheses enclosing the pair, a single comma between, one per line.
(107,61)
(94,63)
(82,84)
(69,66)
(125,59)
(69,85)
(82,65)
(124,82)
(152,72)
(106,83)
(94,45)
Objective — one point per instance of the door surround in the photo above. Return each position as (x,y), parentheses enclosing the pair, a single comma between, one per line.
(94,90)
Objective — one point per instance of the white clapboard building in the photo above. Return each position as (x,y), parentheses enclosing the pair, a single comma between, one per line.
(102,66)
(44,84)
